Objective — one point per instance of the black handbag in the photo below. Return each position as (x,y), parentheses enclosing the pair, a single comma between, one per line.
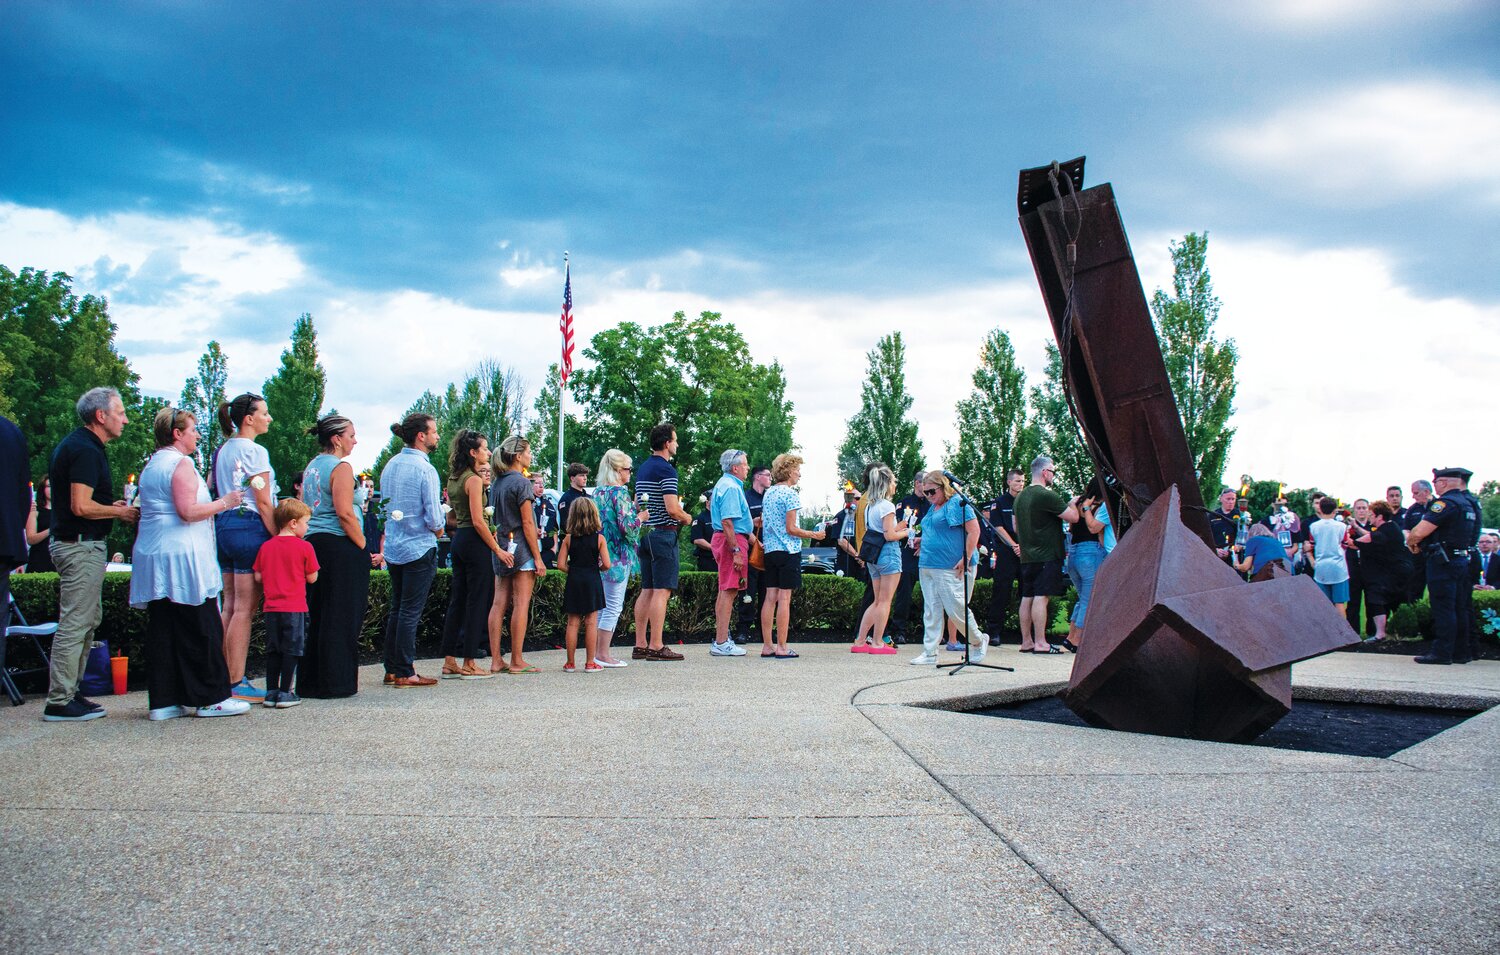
(870,548)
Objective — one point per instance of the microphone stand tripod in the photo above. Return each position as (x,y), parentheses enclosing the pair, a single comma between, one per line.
(963,502)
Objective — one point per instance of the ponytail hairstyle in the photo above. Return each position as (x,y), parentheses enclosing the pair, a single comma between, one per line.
(411,426)
(461,451)
(511,448)
(231,413)
(329,427)
(881,484)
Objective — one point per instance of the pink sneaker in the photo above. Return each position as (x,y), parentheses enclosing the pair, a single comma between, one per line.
(569,668)
(859,648)
(886,650)
(593,668)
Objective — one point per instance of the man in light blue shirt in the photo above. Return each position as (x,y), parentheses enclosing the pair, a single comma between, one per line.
(729,511)
(413,520)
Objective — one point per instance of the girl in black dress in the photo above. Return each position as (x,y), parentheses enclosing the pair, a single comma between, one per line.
(583,556)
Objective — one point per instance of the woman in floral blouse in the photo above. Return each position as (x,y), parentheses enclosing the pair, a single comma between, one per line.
(622,523)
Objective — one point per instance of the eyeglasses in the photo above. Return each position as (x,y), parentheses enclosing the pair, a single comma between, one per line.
(624,467)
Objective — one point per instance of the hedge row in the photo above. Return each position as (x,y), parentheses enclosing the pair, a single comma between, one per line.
(825,605)
(1415,620)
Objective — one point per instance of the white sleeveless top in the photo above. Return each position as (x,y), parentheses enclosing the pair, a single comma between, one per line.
(172,559)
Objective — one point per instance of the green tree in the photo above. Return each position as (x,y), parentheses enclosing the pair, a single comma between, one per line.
(294,396)
(993,435)
(1489,502)
(202,395)
(1200,368)
(58,345)
(1054,429)
(882,429)
(489,400)
(694,372)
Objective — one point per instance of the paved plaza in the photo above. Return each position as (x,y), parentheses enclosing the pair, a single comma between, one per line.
(834,803)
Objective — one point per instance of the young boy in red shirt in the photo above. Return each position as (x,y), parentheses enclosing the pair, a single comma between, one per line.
(284,567)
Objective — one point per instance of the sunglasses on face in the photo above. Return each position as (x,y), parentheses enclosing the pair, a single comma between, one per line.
(931,492)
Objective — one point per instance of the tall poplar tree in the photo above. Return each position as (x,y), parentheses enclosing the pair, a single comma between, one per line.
(1055,430)
(202,395)
(882,429)
(993,434)
(1200,368)
(294,396)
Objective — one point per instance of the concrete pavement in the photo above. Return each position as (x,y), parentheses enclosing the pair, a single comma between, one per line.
(832,803)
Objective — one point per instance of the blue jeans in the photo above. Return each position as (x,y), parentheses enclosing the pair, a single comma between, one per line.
(1083,563)
(410,584)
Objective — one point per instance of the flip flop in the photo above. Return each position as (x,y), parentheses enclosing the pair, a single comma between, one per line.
(789,655)
(767,656)
(525,669)
(1049,650)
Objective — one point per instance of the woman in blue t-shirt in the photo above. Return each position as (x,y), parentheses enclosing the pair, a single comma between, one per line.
(1261,550)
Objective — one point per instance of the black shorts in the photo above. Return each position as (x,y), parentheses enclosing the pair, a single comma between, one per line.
(1043,580)
(286,632)
(783,570)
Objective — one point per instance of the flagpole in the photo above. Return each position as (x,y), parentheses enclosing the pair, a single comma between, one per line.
(561,393)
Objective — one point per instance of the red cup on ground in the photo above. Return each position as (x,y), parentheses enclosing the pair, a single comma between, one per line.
(119,668)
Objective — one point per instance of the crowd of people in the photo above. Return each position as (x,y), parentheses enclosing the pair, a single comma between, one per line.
(210,553)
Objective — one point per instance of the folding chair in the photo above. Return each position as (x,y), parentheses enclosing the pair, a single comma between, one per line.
(8,674)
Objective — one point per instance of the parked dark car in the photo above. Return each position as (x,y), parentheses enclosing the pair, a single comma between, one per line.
(818,560)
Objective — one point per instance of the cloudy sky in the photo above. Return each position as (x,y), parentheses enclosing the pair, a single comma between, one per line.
(410,173)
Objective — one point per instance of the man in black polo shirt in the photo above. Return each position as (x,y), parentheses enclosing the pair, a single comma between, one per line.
(83,511)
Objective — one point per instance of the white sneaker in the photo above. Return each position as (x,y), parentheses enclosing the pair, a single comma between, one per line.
(229,707)
(924,660)
(726,649)
(976,653)
(166,713)
(610,663)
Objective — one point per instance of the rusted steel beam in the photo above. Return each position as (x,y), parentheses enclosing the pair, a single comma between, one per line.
(1111,361)
(1178,645)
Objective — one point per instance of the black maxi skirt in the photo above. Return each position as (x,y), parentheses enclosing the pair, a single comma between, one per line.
(185,655)
(335,616)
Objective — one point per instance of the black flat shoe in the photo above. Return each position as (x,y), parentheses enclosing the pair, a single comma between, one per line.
(1069,646)
(1051,649)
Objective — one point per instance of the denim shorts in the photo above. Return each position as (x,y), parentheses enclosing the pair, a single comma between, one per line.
(524,562)
(239,536)
(658,553)
(889,562)
(1337,593)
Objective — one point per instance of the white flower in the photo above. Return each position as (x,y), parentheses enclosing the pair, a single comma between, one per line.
(644,496)
(489,510)
(838,573)
(447,508)
(258,482)
(396,515)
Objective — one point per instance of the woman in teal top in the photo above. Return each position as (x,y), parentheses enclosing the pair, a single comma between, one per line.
(336,603)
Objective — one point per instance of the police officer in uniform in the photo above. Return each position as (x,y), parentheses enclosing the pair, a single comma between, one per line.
(1467,647)
(1225,524)
(1445,534)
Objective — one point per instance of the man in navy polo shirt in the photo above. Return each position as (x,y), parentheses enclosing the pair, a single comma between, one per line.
(656,490)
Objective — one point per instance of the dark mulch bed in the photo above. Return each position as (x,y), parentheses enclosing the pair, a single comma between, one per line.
(1315,726)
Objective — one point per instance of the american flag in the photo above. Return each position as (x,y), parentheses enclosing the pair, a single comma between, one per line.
(565,324)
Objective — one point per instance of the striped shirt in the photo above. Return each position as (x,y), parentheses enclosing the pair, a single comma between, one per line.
(656,478)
